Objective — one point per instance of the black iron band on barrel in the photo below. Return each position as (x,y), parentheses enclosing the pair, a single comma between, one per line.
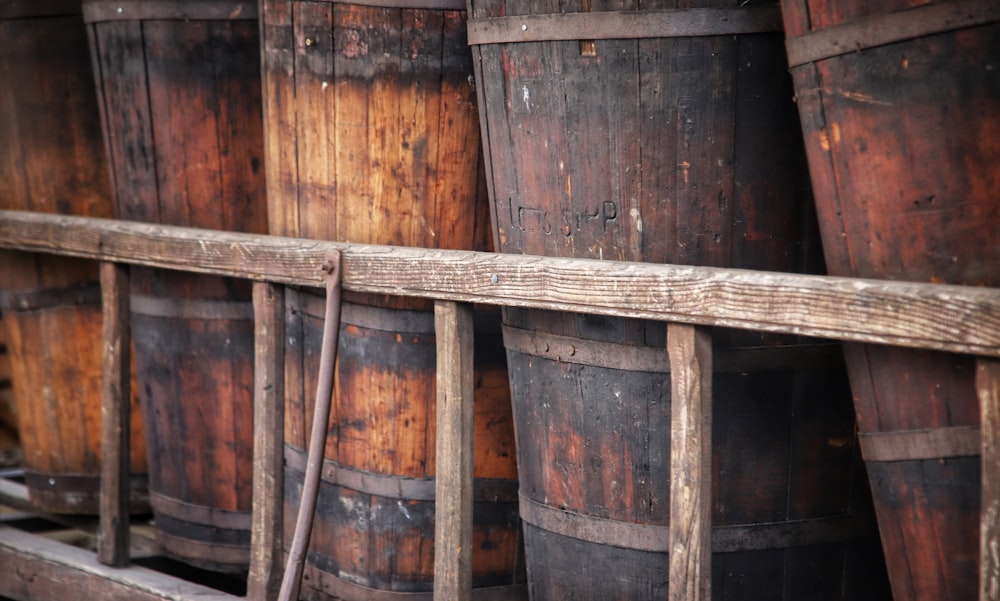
(725,539)
(915,445)
(890,28)
(199,10)
(621,25)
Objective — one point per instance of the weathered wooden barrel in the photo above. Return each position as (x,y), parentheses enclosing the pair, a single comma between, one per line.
(900,109)
(180,90)
(52,160)
(373,137)
(626,134)
(374,528)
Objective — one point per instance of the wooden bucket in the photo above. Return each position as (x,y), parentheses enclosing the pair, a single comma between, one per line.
(180,90)
(900,109)
(52,161)
(373,137)
(374,528)
(638,136)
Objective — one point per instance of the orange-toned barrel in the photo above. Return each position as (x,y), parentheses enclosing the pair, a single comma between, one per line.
(179,84)
(52,160)
(373,137)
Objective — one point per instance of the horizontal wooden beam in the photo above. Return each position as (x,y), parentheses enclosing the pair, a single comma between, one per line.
(46,569)
(953,318)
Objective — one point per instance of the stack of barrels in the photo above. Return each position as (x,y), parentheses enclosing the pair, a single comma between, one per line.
(662,132)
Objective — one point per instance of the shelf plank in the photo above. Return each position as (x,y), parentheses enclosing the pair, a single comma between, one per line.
(934,316)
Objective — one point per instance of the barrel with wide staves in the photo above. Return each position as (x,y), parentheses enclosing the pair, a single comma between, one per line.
(179,86)
(373,137)
(664,134)
(900,109)
(52,160)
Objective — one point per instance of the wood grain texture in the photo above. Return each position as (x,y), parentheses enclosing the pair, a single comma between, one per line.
(690,350)
(116,417)
(36,569)
(958,319)
(268,473)
(453,508)
(988,385)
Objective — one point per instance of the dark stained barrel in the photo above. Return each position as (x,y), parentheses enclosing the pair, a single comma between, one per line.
(373,137)
(900,109)
(180,88)
(52,160)
(668,136)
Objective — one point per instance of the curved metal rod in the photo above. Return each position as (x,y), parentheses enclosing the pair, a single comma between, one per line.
(292,578)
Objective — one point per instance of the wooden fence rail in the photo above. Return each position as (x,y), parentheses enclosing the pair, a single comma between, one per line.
(951,318)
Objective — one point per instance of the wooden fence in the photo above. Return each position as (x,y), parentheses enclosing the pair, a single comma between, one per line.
(690,299)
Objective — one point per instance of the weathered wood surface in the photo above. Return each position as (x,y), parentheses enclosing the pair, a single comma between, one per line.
(900,120)
(959,319)
(37,569)
(268,473)
(116,417)
(690,349)
(453,510)
(988,384)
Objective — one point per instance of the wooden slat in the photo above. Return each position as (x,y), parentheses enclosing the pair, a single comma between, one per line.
(269,393)
(952,318)
(690,351)
(37,569)
(113,538)
(453,506)
(988,385)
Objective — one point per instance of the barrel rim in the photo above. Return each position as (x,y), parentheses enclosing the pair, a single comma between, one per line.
(882,30)
(608,25)
(97,11)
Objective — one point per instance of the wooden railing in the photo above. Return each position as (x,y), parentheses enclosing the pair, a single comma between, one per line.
(690,299)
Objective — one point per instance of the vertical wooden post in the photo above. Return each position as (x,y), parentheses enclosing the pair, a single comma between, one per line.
(113,538)
(988,386)
(690,349)
(453,496)
(268,421)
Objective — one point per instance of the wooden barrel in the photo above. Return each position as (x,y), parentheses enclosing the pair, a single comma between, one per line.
(900,109)
(374,528)
(180,90)
(52,161)
(640,135)
(373,137)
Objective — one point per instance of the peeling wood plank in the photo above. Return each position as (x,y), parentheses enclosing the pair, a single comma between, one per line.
(453,494)
(269,394)
(952,318)
(988,386)
(113,536)
(45,569)
(690,351)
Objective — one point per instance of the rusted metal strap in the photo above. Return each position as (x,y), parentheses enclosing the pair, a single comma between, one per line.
(621,25)
(27,9)
(199,514)
(219,553)
(725,539)
(340,588)
(915,445)
(48,298)
(365,316)
(880,30)
(198,10)
(567,349)
(292,578)
(398,487)
(81,491)
(190,308)
(404,4)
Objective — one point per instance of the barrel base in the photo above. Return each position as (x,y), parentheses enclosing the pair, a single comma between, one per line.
(204,537)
